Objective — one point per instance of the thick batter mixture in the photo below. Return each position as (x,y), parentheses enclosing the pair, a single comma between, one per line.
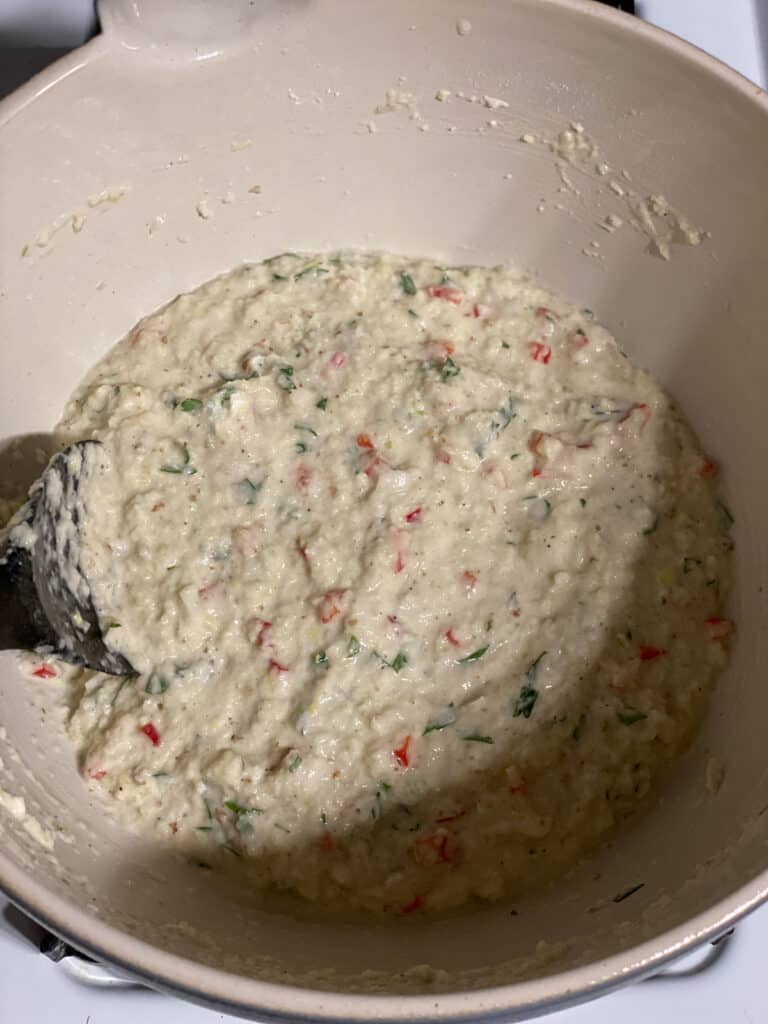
(423,579)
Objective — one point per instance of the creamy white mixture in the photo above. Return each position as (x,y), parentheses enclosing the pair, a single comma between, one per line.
(423,579)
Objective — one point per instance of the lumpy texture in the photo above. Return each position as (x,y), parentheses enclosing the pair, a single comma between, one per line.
(422,577)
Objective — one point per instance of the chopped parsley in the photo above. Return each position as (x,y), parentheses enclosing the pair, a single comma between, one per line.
(285,378)
(247,491)
(406,283)
(322,403)
(526,700)
(239,810)
(184,468)
(307,428)
(112,625)
(191,405)
(311,268)
(476,737)
(320,658)
(628,716)
(279,277)
(353,647)
(294,763)
(474,656)
(156,684)
(727,514)
(583,502)
(442,721)
(449,369)
(400,661)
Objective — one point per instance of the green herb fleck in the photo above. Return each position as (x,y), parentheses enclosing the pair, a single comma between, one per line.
(184,468)
(413,313)
(301,447)
(476,737)
(204,828)
(446,719)
(400,661)
(320,658)
(630,892)
(406,283)
(247,491)
(449,369)
(505,345)
(239,810)
(156,684)
(307,428)
(112,625)
(279,277)
(294,763)
(583,502)
(630,715)
(191,405)
(525,702)
(311,268)
(285,378)
(474,656)
(322,403)
(323,818)
(353,647)
(489,625)
(651,529)
(727,514)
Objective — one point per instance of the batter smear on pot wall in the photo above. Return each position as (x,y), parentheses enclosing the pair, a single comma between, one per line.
(423,579)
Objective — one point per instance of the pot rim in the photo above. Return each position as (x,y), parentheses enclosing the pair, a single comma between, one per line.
(285,1003)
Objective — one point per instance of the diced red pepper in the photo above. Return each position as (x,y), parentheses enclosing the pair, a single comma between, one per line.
(97,774)
(327,842)
(440,350)
(540,353)
(469,579)
(643,408)
(151,733)
(450,817)
(545,313)
(417,903)
(364,441)
(328,609)
(44,672)
(708,469)
(441,848)
(649,653)
(577,340)
(451,637)
(264,627)
(401,753)
(276,666)
(414,516)
(399,563)
(718,629)
(445,292)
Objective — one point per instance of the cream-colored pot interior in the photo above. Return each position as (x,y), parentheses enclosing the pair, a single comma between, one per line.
(239,133)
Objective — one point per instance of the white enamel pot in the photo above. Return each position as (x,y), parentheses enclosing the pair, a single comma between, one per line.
(179,111)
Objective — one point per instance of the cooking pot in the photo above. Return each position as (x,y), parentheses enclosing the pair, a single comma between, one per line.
(189,137)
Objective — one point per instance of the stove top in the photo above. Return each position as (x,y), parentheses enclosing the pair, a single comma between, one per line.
(718,983)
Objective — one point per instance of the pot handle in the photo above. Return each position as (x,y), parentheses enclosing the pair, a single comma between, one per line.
(199,26)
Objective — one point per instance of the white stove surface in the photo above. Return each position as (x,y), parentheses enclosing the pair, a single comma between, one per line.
(34,989)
